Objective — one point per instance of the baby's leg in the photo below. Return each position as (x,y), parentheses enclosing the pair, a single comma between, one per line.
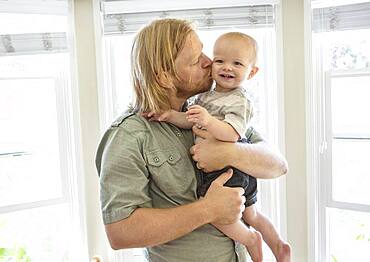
(262,224)
(248,237)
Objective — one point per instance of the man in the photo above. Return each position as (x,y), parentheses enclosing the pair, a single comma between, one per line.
(147,177)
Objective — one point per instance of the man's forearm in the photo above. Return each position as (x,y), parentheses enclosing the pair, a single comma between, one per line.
(258,160)
(150,227)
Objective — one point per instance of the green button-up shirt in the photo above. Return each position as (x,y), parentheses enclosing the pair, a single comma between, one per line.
(148,164)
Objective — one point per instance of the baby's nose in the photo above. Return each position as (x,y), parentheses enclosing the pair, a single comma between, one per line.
(227,67)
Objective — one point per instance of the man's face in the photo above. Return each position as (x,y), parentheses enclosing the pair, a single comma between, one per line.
(193,67)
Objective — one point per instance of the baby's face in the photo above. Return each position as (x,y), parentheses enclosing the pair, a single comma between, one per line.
(231,63)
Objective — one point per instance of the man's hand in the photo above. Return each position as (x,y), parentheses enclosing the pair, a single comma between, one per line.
(225,204)
(149,226)
(210,153)
(199,116)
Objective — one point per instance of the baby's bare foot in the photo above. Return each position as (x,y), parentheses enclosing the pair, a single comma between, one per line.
(283,252)
(255,247)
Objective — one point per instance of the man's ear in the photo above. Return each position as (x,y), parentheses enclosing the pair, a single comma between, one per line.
(253,72)
(165,80)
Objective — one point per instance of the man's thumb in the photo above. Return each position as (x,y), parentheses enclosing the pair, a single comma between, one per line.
(223,178)
(199,132)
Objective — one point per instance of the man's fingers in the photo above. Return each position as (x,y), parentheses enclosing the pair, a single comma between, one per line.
(192,153)
(192,150)
(242,208)
(243,201)
(222,179)
(200,132)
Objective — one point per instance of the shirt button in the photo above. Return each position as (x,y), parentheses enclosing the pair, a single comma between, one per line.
(156,159)
(178,134)
(171,158)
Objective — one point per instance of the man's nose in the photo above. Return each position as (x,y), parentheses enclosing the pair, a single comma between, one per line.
(206,61)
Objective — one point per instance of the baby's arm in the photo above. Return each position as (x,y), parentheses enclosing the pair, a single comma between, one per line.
(176,118)
(219,129)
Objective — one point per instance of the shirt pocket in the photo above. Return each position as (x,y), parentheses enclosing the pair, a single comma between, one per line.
(169,171)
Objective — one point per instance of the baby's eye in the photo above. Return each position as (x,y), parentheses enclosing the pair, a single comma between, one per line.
(238,63)
(219,61)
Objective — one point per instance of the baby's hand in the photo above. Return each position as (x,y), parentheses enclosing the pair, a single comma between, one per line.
(161,116)
(198,115)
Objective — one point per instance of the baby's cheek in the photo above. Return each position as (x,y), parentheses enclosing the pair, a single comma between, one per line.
(214,70)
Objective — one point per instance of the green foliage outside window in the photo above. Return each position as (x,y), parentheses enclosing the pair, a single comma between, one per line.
(15,254)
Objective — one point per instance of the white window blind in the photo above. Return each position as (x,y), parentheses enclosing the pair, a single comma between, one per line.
(138,6)
(205,18)
(33,27)
(36,43)
(57,7)
(341,17)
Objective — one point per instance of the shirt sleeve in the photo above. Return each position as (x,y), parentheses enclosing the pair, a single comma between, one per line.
(200,98)
(123,175)
(253,136)
(238,114)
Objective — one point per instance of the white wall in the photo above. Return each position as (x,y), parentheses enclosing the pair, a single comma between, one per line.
(89,114)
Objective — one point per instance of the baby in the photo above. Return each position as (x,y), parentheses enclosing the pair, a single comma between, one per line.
(225,112)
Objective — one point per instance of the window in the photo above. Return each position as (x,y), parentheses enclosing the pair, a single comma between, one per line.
(39,204)
(341,128)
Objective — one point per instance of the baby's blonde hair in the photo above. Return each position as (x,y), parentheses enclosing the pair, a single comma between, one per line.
(153,53)
(250,43)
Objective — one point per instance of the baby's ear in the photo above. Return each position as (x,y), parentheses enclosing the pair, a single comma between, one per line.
(253,72)
(165,80)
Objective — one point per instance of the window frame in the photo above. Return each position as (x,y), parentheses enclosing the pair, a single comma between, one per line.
(324,173)
(319,146)
(64,161)
(69,149)
(330,202)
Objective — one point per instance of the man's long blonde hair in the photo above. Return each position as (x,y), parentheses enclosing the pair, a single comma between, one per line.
(153,54)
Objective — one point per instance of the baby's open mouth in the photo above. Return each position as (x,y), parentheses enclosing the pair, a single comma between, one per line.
(226,76)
